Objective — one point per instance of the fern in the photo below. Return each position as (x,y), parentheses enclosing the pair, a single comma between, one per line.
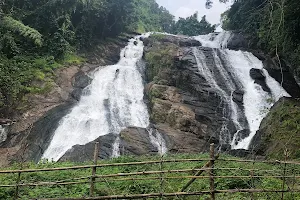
(25,31)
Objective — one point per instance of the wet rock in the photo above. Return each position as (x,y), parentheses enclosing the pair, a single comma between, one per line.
(238,96)
(257,74)
(237,41)
(260,79)
(83,153)
(81,80)
(5,121)
(37,140)
(183,142)
(282,75)
(242,134)
(135,42)
(136,141)
(76,94)
(189,43)
(274,136)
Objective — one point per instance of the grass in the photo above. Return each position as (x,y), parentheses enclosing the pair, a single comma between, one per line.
(108,187)
(282,128)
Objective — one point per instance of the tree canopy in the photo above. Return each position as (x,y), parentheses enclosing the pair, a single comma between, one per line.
(274,26)
(35,34)
(192,26)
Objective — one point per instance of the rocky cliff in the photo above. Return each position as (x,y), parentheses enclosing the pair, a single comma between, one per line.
(186,111)
(29,135)
(279,133)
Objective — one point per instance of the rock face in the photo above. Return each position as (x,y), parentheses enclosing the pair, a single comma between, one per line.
(30,135)
(260,79)
(182,104)
(279,128)
(279,70)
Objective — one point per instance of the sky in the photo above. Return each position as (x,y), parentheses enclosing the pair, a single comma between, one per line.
(185,8)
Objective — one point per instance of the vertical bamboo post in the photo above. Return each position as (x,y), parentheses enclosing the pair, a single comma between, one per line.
(252,174)
(284,173)
(96,154)
(211,171)
(17,186)
(161,169)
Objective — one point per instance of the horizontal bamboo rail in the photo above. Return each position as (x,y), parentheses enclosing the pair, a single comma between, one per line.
(152,195)
(101,165)
(262,161)
(140,179)
(140,163)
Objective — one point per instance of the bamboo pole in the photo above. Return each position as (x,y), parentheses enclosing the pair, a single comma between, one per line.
(147,178)
(96,155)
(284,173)
(137,163)
(211,171)
(197,175)
(153,195)
(102,165)
(17,186)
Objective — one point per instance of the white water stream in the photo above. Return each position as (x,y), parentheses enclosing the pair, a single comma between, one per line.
(114,99)
(113,102)
(256,101)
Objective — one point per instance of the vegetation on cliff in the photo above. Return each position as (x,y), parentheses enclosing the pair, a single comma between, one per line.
(273,26)
(108,187)
(280,130)
(192,26)
(36,37)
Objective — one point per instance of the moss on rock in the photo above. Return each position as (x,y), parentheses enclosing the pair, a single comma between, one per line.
(280,130)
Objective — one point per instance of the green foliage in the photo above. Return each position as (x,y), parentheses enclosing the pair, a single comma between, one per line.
(191,26)
(273,26)
(33,31)
(16,26)
(282,128)
(109,187)
(160,60)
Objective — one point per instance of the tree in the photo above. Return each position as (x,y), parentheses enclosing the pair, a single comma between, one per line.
(191,26)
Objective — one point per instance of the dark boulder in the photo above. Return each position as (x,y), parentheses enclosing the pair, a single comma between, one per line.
(238,96)
(237,41)
(135,42)
(242,134)
(76,94)
(81,80)
(280,72)
(189,43)
(37,141)
(257,74)
(260,79)
(136,141)
(83,153)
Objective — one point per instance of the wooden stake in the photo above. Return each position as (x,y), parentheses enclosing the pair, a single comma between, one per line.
(93,179)
(211,171)
(17,186)
(197,174)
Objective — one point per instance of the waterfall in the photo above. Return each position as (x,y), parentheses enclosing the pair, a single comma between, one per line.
(157,141)
(112,102)
(3,134)
(234,69)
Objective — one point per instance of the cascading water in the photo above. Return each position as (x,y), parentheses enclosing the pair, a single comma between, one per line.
(234,69)
(113,101)
(3,133)
(158,141)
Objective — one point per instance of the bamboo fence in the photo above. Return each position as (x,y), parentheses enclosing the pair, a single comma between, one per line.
(208,167)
